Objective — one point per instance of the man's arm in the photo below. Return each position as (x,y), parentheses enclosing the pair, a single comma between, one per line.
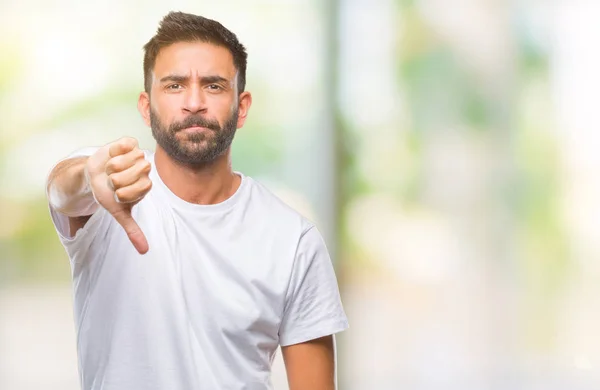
(115,177)
(69,193)
(310,365)
(312,314)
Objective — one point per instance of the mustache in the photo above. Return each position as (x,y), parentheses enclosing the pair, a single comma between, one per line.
(195,120)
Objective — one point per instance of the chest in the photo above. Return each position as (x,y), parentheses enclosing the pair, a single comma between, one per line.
(226,277)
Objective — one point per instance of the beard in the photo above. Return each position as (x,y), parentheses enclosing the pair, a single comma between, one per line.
(194,149)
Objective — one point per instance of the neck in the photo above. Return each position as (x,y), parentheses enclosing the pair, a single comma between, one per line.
(207,184)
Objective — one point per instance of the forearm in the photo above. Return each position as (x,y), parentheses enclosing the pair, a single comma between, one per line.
(68,190)
(311,365)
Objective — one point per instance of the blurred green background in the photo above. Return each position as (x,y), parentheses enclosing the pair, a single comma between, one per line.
(448,151)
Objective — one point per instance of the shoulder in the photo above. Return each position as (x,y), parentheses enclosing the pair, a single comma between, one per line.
(282,207)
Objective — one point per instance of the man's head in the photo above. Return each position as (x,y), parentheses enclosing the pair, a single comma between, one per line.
(194,81)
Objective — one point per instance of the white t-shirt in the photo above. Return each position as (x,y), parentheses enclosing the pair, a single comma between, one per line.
(219,289)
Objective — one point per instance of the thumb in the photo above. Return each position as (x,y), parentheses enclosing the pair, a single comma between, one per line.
(135,234)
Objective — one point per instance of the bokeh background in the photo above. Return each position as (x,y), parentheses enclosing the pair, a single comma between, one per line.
(448,150)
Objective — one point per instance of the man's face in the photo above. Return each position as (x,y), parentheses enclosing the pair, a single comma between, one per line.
(193,103)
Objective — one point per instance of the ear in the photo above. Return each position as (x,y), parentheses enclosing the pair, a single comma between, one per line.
(144,107)
(245,101)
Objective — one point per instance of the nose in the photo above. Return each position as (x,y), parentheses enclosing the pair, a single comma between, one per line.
(195,101)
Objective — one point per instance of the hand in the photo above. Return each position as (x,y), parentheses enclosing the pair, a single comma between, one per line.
(118,176)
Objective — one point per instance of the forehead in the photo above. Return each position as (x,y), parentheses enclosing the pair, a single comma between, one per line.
(194,58)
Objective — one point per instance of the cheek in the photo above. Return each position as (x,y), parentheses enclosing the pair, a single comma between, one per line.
(163,109)
(225,107)
(233,106)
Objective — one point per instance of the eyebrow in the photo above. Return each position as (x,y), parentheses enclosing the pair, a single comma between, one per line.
(204,79)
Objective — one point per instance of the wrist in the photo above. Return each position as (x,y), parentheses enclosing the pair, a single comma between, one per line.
(74,201)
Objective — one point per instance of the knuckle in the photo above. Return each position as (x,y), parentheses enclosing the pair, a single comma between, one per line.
(110,166)
(122,196)
(113,165)
(120,145)
(146,167)
(130,142)
(119,196)
(124,145)
(114,179)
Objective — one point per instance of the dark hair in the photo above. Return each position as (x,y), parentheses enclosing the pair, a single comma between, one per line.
(181,27)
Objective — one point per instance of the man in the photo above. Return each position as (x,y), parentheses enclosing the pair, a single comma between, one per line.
(186,274)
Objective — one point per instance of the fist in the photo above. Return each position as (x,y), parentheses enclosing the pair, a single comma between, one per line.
(118,175)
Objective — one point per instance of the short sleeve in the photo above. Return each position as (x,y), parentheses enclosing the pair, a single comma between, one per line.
(313,307)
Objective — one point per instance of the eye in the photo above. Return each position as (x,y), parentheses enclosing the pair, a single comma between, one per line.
(174,86)
(214,87)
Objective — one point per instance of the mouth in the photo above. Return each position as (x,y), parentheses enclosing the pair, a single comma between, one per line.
(195,129)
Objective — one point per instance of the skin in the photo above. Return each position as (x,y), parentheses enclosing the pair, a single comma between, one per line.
(310,365)
(195,79)
(189,79)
